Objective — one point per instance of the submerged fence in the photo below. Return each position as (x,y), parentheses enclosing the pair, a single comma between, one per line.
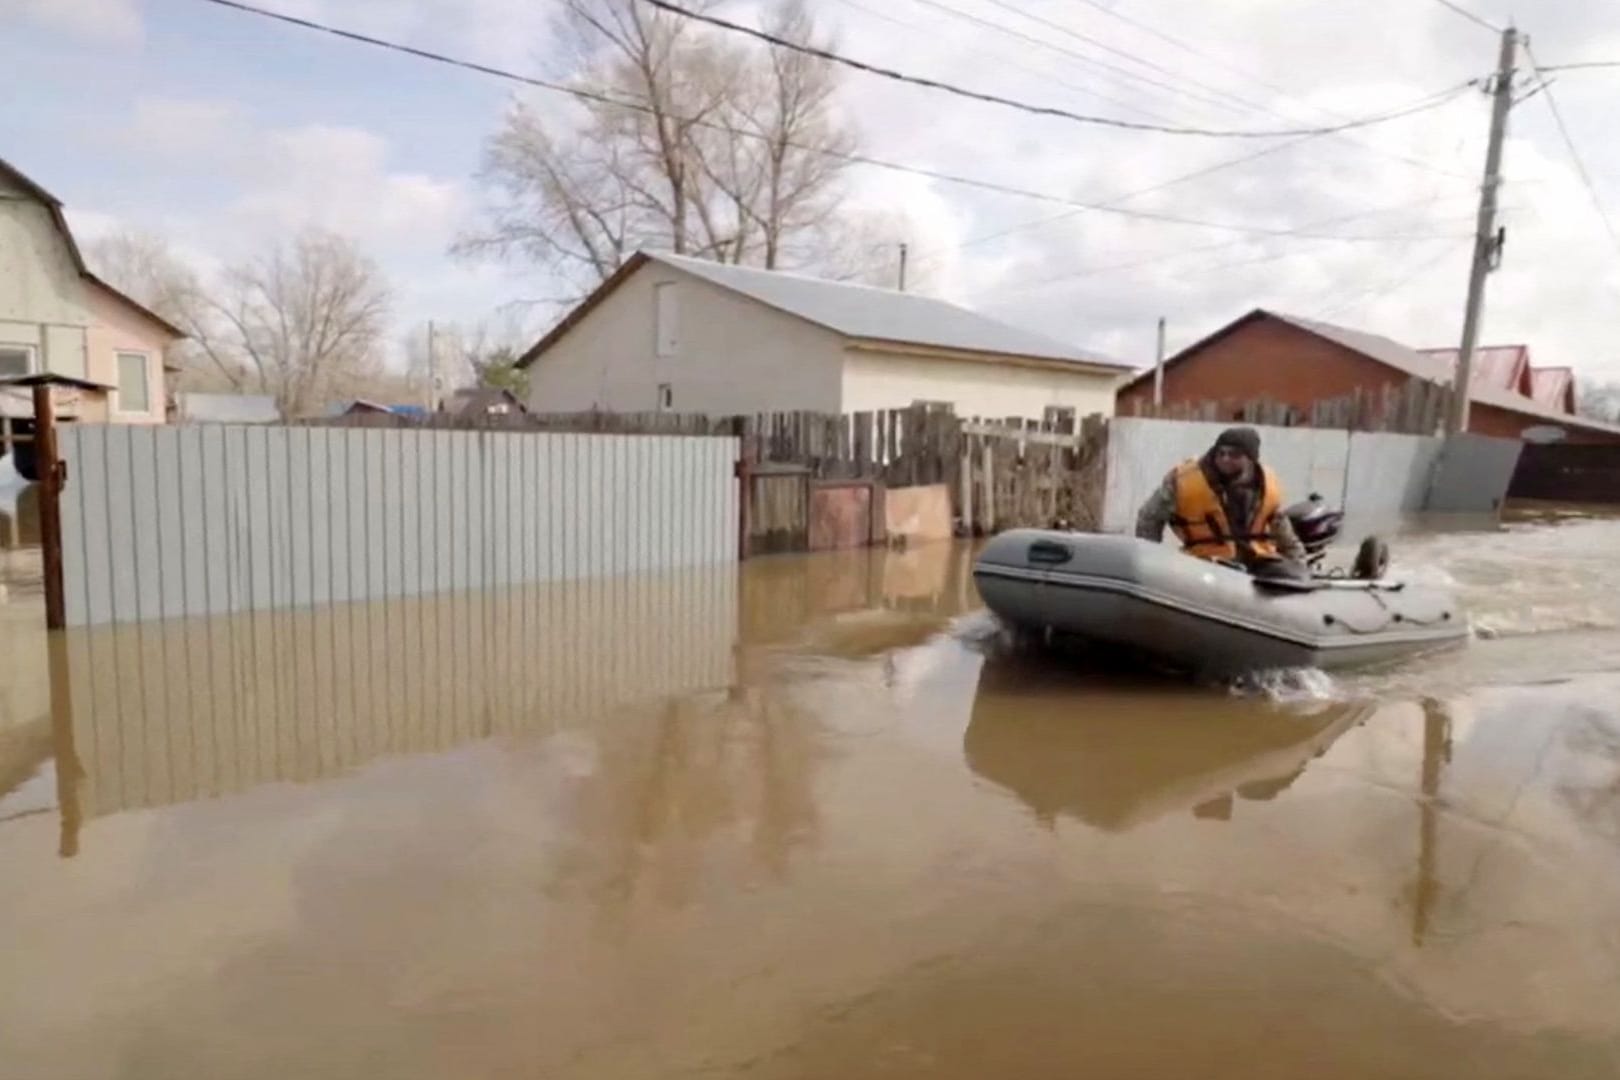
(166,522)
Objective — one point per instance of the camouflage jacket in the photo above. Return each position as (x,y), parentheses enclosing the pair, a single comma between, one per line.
(1160,509)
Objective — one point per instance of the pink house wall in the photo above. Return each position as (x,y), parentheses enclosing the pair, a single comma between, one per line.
(116,327)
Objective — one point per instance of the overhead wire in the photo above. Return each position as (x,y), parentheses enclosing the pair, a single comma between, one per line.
(1036,110)
(1135,107)
(1583,66)
(1574,153)
(601,97)
(1283,91)
(1477,20)
(1063,50)
(1357,301)
(1067,31)
(1301,232)
(1052,219)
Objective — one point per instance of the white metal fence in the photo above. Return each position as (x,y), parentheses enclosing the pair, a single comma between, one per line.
(175,521)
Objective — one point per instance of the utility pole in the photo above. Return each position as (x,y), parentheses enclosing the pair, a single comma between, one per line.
(1487,245)
(433,372)
(902,268)
(1158,369)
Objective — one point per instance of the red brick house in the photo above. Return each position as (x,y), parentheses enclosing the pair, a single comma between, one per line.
(1298,362)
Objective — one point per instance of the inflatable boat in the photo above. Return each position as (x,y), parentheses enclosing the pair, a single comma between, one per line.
(1206,617)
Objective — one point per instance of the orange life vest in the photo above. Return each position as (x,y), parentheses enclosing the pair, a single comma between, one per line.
(1200,520)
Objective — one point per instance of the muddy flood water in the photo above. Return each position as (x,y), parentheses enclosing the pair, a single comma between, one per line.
(815,819)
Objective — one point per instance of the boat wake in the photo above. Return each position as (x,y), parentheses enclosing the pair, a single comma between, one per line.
(1290,686)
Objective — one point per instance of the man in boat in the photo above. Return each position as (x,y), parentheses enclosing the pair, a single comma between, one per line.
(1227,506)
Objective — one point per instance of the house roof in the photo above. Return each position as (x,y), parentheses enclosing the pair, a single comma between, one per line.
(52,203)
(227,408)
(853,311)
(59,219)
(1506,367)
(1554,387)
(480,399)
(52,378)
(1395,355)
(135,305)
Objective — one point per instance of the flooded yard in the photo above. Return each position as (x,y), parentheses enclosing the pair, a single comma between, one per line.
(815,819)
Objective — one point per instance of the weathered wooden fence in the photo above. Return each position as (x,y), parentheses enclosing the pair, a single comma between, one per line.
(1417,408)
(814,480)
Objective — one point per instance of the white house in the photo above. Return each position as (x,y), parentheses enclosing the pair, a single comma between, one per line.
(56,316)
(678,334)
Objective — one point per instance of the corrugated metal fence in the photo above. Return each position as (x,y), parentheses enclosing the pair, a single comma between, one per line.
(167,522)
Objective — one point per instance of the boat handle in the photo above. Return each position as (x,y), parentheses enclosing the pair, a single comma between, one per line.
(1045,551)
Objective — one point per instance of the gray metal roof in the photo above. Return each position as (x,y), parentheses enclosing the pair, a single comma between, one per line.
(861,311)
(195,407)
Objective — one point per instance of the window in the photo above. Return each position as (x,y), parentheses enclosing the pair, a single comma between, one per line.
(668,340)
(16,360)
(134,386)
(666,397)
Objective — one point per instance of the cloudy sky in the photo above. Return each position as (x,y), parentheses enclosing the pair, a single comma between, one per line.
(220,130)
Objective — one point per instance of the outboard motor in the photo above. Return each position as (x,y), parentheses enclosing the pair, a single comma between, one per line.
(1317,525)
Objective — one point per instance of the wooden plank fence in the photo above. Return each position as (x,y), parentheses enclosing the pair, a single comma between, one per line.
(1416,408)
(1000,473)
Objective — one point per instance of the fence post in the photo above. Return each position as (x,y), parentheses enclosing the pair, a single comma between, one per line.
(745,483)
(49,471)
(965,485)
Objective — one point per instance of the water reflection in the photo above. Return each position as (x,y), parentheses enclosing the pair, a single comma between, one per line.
(184,709)
(1116,756)
(168,712)
(809,829)
(19,517)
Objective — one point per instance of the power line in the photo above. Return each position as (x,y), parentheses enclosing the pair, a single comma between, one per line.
(1358,301)
(1052,24)
(1579,67)
(1020,65)
(1458,9)
(1084,58)
(602,98)
(1275,88)
(1575,155)
(1052,219)
(1299,232)
(1061,50)
(995,99)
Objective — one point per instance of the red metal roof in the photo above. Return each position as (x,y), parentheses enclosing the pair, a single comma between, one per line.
(1554,388)
(1503,367)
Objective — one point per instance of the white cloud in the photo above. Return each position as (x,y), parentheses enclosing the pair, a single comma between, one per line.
(116,21)
(180,129)
(1076,277)
(511,33)
(1072,277)
(338,178)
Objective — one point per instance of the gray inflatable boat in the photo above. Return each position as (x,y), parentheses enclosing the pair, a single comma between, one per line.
(1202,616)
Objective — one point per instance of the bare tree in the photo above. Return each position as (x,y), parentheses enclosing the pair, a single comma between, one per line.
(781,147)
(702,146)
(144,266)
(304,317)
(1598,400)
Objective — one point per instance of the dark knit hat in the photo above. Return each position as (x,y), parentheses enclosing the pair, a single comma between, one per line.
(1245,439)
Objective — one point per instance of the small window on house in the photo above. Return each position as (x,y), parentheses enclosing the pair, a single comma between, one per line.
(15,360)
(666,397)
(666,317)
(134,387)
